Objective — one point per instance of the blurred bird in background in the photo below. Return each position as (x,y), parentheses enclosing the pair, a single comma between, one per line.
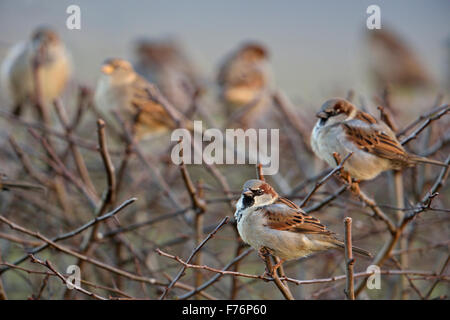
(244,83)
(393,63)
(120,88)
(164,63)
(17,70)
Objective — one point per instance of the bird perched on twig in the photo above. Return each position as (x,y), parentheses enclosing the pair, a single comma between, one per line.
(46,47)
(164,63)
(393,63)
(120,88)
(244,82)
(343,129)
(267,221)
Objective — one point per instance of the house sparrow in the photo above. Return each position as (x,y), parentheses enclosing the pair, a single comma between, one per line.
(54,72)
(267,221)
(164,63)
(120,88)
(392,62)
(342,128)
(244,82)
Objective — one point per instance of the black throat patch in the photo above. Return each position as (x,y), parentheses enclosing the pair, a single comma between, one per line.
(248,201)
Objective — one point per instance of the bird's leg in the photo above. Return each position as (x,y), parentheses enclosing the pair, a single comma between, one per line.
(275,267)
(347,179)
(264,253)
(355,187)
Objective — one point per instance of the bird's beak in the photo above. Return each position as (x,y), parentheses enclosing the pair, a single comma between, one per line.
(247,193)
(107,69)
(322,115)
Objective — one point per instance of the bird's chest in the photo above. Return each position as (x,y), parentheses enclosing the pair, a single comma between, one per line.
(324,143)
(250,228)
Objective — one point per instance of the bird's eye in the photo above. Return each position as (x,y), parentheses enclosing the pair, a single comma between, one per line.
(257,192)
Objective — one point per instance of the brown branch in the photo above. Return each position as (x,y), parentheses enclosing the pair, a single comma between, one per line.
(193,253)
(349,260)
(425,124)
(26,163)
(198,204)
(284,288)
(3,295)
(51,242)
(436,108)
(55,162)
(217,277)
(386,117)
(48,273)
(307,181)
(327,200)
(42,288)
(162,184)
(148,222)
(20,240)
(104,266)
(378,213)
(50,266)
(408,279)
(199,207)
(82,143)
(108,196)
(433,286)
(292,119)
(107,163)
(423,205)
(318,184)
(77,157)
(224,271)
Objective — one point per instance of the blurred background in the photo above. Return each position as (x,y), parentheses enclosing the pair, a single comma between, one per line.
(317,47)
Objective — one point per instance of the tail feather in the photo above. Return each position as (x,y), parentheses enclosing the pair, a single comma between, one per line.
(426,160)
(361,252)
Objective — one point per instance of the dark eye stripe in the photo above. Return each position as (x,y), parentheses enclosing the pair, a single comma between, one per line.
(257,192)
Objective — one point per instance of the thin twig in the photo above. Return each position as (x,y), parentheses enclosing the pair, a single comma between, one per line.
(193,253)
(349,260)
(318,184)
(63,236)
(50,266)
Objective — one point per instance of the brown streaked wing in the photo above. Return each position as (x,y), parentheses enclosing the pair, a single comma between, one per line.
(152,113)
(376,142)
(286,218)
(365,117)
(287,202)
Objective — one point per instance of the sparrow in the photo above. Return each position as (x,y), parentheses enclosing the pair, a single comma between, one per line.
(244,83)
(267,221)
(392,62)
(343,129)
(55,68)
(164,63)
(120,88)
